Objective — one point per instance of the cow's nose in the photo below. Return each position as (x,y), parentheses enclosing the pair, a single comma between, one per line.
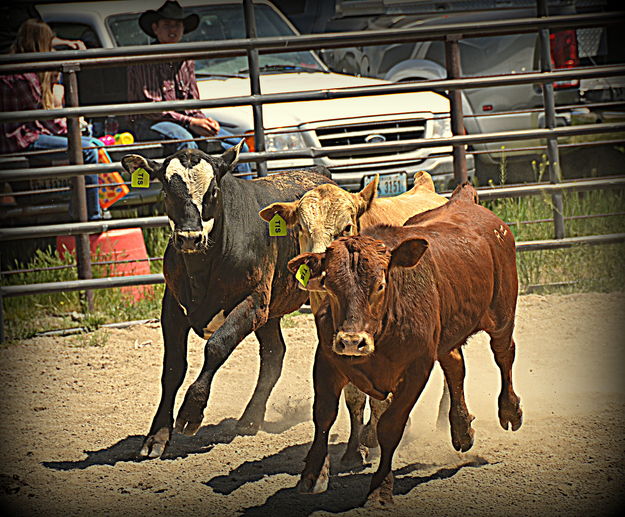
(186,242)
(353,343)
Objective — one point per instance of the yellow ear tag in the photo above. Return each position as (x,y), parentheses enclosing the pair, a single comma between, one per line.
(303,275)
(140,178)
(277,226)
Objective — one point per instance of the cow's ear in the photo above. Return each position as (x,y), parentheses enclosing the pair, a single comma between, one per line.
(408,253)
(132,162)
(315,262)
(231,156)
(367,195)
(288,212)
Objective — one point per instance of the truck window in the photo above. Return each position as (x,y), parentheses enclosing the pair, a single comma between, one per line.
(81,31)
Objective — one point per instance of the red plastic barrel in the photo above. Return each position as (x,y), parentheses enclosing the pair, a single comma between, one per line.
(113,246)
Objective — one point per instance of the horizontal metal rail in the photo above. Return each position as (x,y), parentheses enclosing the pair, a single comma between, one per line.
(80,285)
(486,193)
(198,50)
(51,230)
(318,152)
(105,283)
(568,242)
(334,93)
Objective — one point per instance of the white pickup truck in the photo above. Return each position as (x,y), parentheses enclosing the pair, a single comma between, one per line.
(288,126)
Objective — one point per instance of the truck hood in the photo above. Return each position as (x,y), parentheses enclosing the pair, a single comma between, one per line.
(298,112)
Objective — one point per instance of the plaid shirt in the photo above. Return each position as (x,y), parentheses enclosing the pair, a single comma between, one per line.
(164,82)
(20,92)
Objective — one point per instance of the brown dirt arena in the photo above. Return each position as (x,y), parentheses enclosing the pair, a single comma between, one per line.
(74,415)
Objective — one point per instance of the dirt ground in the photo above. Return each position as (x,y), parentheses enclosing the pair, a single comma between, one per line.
(74,411)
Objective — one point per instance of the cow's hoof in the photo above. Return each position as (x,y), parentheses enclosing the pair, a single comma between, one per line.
(247,428)
(382,496)
(354,459)
(185,427)
(308,484)
(510,414)
(154,445)
(462,435)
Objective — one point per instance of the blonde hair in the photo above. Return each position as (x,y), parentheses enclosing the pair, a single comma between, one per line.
(36,36)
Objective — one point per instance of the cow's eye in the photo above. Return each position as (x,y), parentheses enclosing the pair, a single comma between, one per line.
(347,231)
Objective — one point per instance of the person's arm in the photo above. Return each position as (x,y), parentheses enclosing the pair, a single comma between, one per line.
(74,44)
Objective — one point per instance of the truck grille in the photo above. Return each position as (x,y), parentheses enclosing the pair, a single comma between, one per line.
(370,132)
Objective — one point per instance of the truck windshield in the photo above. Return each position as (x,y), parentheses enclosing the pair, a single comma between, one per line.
(224,22)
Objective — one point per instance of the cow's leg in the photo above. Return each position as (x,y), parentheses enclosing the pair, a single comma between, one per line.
(369,436)
(503,347)
(459,417)
(355,453)
(175,328)
(328,384)
(391,428)
(272,350)
(246,317)
(443,408)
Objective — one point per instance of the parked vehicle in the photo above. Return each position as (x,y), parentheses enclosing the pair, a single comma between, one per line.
(293,125)
(486,110)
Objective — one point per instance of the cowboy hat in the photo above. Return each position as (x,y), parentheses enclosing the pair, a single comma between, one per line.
(170,10)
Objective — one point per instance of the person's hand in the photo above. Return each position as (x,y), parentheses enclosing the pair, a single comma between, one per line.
(58,95)
(204,126)
(74,44)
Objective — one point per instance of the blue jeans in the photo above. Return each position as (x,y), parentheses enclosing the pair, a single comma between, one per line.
(172,131)
(94,212)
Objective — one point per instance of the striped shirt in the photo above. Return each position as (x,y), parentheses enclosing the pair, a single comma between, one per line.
(164,82)
(21,92)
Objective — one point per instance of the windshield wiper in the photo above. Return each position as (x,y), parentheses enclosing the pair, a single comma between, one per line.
(284,68)
(211,74)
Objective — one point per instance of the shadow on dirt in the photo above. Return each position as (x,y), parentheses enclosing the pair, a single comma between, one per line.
(180,447)
(345,492)
(128,448)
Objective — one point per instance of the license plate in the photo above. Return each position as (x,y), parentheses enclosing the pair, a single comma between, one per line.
(390,184)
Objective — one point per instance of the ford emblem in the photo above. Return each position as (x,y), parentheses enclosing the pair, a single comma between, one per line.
(375,139)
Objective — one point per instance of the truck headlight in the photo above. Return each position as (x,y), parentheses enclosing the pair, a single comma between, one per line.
(284,141)
(441,126)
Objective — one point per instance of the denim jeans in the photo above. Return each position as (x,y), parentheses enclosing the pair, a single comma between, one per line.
(94,212)
(172,131)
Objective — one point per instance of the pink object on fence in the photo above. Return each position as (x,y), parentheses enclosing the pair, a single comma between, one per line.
(107,139)
(115,245)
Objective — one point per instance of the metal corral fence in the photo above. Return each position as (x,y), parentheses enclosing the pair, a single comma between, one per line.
(69,62)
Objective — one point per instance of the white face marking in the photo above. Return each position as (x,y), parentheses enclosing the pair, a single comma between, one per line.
(197,179)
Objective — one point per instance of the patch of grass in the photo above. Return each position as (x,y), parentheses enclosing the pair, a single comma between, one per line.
(99,338)
(291,320)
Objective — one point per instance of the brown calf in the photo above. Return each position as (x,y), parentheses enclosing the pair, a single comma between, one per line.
(400,298)
(327,212)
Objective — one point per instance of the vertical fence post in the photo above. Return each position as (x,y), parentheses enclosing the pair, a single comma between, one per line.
(452,63)
(79,198)
(252,61)
(550,122)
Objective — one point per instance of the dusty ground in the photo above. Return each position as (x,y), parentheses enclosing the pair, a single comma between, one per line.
(74,414)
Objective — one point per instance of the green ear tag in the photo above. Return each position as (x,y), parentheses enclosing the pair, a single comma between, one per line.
(277,226)
(140,178)
(303,275)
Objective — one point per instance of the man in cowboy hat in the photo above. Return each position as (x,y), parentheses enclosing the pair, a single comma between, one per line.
(172,81)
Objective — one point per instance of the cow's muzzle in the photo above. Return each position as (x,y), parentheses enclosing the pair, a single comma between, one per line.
(190,242)
(353,343)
